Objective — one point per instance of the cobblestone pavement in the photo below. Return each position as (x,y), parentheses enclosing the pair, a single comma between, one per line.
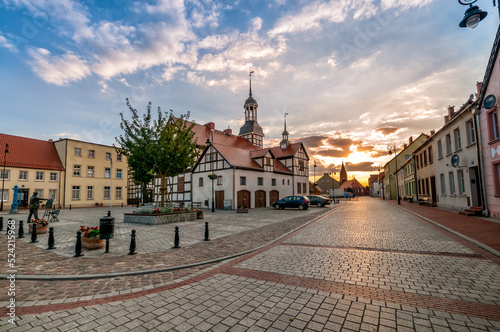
(366,266)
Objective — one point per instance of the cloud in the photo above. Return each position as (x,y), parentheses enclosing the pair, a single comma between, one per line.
(367,166)
(8,45)
(333,153)
(387,130)
(59,70)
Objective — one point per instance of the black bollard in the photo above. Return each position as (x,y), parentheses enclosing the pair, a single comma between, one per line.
(78,247)
(70,206)
(206,232)
(109,213)
(1,224)
(21,230)
(176,238)
(33,234)
(122,204)
(132,243)
(51,239)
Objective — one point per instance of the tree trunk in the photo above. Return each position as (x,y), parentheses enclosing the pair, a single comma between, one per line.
(162,190)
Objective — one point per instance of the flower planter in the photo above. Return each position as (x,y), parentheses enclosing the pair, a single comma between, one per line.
(201,216)
(92,243)
(241,210)
(160,218)
(39,228)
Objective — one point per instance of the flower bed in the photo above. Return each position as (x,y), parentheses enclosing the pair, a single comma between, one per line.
(160,216)
(41,225)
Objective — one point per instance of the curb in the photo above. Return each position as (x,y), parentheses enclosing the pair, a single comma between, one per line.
(52,277)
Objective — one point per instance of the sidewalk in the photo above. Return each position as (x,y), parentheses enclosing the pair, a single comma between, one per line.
(481,230)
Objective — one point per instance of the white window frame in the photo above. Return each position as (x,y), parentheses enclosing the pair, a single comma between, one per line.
(443,184)
(75,193)
(119,193)
(4,195)
(53,176)
(77,170)
(451,177)
(53,194)
(109,156)
(107,172)
(471,136)
(5,175)
(458,141)
(461,182)
(440,149)
(78,152)
(92,154)
(448,144)
(39,176)
(89,173)
(90,192)
(21,178)
(107,192)
(494,124)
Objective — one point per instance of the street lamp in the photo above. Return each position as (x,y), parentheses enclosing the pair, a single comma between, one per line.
(392,148)
(473,15)
(211,176)
(314,181)
(3,174)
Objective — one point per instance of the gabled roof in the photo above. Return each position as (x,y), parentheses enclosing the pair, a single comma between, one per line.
(260,153)
(290,151)
(30,153)
(351,184)
(489,68)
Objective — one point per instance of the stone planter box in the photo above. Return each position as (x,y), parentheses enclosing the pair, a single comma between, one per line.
(92,243)
(159,219)
(39,229)
(241,210)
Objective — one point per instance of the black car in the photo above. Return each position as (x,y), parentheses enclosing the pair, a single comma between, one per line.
(299,202)
(319,201)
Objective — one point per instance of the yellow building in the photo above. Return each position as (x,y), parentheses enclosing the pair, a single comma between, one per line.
(94,174)
(72,173)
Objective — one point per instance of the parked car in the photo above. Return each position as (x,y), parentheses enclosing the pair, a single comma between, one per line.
(319,201)
(299,202)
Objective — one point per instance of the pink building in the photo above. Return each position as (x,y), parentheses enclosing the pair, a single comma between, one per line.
(489,133)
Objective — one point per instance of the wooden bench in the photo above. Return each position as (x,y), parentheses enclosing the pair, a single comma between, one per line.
(196,205)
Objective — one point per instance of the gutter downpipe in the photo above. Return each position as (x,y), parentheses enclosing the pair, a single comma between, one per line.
(416,177)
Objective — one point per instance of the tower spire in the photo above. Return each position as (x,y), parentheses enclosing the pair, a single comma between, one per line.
(250,82)
(284,142)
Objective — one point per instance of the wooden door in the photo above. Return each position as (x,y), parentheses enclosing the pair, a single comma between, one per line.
(219,199)
(243,199)
(273,197)
(260,198)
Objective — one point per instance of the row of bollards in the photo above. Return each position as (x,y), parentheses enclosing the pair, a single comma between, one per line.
(78,245)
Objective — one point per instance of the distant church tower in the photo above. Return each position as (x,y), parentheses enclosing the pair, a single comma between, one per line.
(251,130)
(343,174)
(285,142)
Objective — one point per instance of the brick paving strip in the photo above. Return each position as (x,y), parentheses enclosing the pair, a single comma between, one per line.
(468,308)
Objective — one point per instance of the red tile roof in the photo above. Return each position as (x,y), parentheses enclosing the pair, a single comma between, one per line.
(351,184)
(29,153)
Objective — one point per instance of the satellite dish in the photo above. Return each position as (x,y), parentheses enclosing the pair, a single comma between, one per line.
(455,159)
(489,101)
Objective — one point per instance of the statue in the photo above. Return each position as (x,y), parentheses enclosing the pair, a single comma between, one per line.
(34,205)
(14,208)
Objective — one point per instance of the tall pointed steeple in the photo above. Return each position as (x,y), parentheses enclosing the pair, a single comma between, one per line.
(285,142)
(343,174)
(251,130)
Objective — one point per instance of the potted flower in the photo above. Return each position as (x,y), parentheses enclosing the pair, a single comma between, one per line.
(212,176)
(41,225)
(90,238)
(242,209)
(199,214)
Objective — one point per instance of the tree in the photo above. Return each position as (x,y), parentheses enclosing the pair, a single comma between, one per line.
(164,147)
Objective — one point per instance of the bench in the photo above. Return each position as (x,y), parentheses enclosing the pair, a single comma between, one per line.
(423,201)
(196,205)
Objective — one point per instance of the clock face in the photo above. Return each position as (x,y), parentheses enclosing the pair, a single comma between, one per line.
(467,2)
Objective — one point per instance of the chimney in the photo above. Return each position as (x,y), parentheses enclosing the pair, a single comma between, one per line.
(451,112)
(479,85)
(210,125)
(410,140)
(433,132)
(405,146)
(228,131)
(51,141)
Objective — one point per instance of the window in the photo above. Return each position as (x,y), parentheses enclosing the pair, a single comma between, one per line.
(299,187)
(75,194)
(90,171)
(118,173)
(107,192)
(260,181)
(461,183)
(288,182)
(76,170)
(273,182)
(78,152)
(443,185)
(440,149)
(107,172)
(497,180)
(108,155)
(4,175)
(91,153)
(23,175)
(301,165)
(53,176)
(448,144)
(471,136)
(219,180)
(39,176)
(283,181)
(431,157)
(304,188)
(90,192)
(118,157)
(417,161)
(458,142)
(452,182)
(53,194)
(494,125)
(4,195)
(118,193)
(243,180)
(40,192)
(200,182)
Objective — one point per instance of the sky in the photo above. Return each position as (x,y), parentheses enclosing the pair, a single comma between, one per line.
(353,75)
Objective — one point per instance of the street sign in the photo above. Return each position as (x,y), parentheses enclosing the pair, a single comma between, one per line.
(455,159)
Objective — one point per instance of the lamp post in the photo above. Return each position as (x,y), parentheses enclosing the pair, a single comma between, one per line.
(392,148)
(473,15)
(211,176)
(314,180)
(3,174)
